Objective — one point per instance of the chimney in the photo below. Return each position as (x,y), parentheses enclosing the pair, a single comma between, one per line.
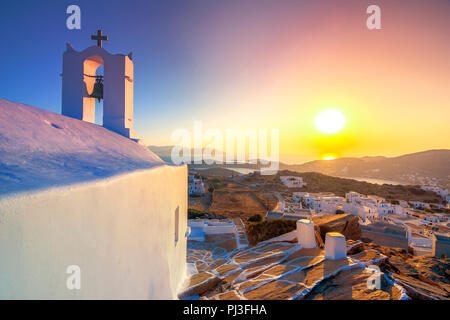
(305,233)
(335,246)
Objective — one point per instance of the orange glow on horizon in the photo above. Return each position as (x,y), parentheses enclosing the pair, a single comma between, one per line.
(391,85)
(329,156)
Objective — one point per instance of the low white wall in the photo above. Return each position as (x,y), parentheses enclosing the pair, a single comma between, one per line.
(421,242)
(219,229)
(212,227)
(120,231)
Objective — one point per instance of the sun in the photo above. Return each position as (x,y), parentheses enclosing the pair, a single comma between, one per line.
(330,121)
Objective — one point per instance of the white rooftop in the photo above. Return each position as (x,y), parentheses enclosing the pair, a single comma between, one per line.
(40,149)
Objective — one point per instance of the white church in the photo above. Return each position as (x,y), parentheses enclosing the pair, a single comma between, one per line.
(86,212)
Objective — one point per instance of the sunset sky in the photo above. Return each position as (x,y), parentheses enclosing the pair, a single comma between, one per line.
(254,64)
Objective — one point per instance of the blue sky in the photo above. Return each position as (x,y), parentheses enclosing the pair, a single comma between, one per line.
(264,64)
(34,35)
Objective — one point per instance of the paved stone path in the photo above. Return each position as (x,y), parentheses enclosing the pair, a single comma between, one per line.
(282,270)
(242,238)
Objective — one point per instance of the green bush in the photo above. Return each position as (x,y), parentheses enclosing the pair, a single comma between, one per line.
(197,214)
(217,183)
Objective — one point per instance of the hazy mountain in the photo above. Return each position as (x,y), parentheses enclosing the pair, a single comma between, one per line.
(415,168)
(164,152)
(432,166)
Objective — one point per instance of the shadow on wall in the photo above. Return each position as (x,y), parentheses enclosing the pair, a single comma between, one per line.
(158,286)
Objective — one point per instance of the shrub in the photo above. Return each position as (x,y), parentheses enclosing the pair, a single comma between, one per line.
(255,218)
(267,229)
(218,183)
(197,214)
(195,195)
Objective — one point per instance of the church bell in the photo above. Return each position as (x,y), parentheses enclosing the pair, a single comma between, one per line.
(98,88)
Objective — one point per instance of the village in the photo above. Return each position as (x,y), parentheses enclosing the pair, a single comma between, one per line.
(312,245)
(420,226)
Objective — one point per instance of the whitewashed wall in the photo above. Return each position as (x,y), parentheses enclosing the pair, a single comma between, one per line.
(421,242)
(119,231)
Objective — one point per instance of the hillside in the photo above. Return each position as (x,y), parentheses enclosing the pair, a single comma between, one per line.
(317,182)
(416,168)
(426,167)
(40,149)
(164,152)
(216,172)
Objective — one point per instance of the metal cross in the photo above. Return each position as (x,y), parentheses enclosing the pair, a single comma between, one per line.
(99,37)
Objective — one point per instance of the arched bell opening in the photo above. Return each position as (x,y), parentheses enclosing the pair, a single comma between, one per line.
(97,94)
(93,67)
(80,71)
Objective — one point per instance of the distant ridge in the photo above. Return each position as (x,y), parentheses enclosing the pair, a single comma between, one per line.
(425,167)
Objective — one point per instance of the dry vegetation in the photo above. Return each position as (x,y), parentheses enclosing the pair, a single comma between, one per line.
(260,231)
(317,182)
(240,201)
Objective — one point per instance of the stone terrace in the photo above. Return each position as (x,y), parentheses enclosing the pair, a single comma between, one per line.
(279,269)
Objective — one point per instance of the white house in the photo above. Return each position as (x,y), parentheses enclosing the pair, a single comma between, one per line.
(419,205)
(400,210)
(298,196)
(431,218)
(353,196)
(196,185)
(385,208)
(429,188)
(362,211)
(311,201)
(289,209)
(292,181)
(403,204)
(375,199)
(329,205)
(202,227)
(443,193)
(321,203)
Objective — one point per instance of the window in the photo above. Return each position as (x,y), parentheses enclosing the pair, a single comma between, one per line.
(177,223)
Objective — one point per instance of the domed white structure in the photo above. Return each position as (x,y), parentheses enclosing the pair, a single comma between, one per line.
(73,193)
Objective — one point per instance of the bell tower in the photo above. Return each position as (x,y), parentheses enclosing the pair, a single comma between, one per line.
(81,86)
